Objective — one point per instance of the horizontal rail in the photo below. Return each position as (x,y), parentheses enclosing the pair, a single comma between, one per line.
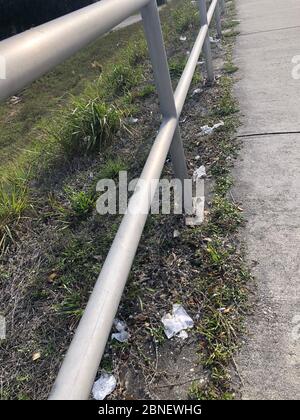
(211,11)
(33,53)
(81,363)
(188,73)
(80,366)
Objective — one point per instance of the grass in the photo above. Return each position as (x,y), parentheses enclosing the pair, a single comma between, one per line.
(121,79)
(146,91)
(20,124)
(112,167)
(88,128)
(227,105)
(81,202)
(85,124)
(177,66)
(185,18)
(230,68)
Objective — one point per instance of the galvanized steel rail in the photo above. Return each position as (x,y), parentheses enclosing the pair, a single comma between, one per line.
(33,53)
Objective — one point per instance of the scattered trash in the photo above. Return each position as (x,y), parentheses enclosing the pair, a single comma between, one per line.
(224,310)
(213,40)
(104,386)
(177,322)
(199,212)
(176,234)
(197,91)
(227,31)
(183,120)
(131,120)
(122,335)
(36,356)
(199,173)
(14,100)
(207,130)
(183,335)
(182,38)
(197,217)
(199,63)
(197,157)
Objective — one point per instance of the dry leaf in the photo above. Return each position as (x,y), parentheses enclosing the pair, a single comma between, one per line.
(52,276)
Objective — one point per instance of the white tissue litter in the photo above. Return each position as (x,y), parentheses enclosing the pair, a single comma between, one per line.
(177,322)
(207,130)
(176,234)
(14,100)
(183,335)
(122,335)
(199,173)
(213,40)
(182,38)
(131,120)
(104,386)
(197,91)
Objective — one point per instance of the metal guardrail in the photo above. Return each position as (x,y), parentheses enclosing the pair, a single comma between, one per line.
(33,53)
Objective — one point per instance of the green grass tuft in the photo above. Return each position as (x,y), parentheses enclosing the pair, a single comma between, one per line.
(89,127)
(112,168)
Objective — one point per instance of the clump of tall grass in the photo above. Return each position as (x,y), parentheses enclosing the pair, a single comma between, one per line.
(89,127)
(119,80)
(13,202)
(81,202)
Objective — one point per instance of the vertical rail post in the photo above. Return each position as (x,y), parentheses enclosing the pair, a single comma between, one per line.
(206,45)
(223,5)
(157,52)
(218,19)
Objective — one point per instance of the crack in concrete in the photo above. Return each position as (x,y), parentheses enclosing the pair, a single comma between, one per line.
(271,133)
(269,30)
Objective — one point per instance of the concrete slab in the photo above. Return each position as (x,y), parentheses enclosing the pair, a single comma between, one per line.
(268,15)
(268,185)
(266,86)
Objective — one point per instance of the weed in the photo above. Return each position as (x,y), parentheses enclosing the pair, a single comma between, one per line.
(121,79)
(157,333)
(226,107)
(225,214)
(208,392)
(230,68)
(185,18)
(71,304)
(13,202)
(81,202)
(231,34)
(146,91)
(176,66)
(89,127)
(136,52)
(230,24)
(112,168)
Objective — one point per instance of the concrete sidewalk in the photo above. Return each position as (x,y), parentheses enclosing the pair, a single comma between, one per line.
(268,184)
